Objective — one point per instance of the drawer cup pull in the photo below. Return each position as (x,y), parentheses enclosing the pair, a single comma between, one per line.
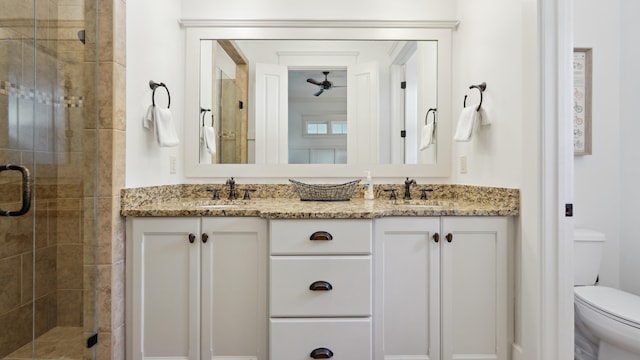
(322,353)
(320,286)
(321,235)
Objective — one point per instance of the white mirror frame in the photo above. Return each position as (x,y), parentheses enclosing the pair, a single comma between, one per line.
(197,30)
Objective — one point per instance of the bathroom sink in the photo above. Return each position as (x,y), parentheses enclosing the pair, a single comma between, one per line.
(213,204)
(423,203)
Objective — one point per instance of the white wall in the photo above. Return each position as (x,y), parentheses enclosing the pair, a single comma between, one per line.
(488,48)
(483,51)
(327,9)
(155,51)
(597,176)
(629,149)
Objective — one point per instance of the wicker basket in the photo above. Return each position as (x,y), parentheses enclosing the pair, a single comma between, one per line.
(311,192)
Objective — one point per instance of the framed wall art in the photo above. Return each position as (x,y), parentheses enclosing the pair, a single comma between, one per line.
(582,101)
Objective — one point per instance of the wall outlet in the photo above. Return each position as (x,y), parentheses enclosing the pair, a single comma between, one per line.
(172,164)
(463,164)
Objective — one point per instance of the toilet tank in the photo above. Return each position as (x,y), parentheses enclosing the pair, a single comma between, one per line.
(587,253)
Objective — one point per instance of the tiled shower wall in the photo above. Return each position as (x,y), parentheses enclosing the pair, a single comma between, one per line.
(78,133)
(111,100)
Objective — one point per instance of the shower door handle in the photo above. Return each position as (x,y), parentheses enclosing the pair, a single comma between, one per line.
(26,190)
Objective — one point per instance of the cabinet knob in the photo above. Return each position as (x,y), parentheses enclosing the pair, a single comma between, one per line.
(436,237)
(321,235)
(192,238)
(322,353)
(205,238)
(320,286)
(449,237)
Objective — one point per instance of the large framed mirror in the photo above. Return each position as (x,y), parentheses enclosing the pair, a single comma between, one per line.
(317,99)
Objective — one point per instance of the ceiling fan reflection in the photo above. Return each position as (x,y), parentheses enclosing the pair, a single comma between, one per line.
(323,85)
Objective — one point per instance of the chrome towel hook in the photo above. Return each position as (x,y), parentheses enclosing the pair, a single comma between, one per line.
(154,85)
(481,87)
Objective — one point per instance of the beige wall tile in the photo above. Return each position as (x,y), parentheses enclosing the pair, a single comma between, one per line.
(105,31)
(117,295)
(106,94)
(90,163)
(104,345)
(10,278)
(119,97)
(119,229)
(105,164)
(14,239)
(70,266)
(45,271)
(27,278)
(45,313)
(89,297)
(104,298)
(69,308)
(19,333)
(120,32)
(90,241)
(119,166)
(105,231)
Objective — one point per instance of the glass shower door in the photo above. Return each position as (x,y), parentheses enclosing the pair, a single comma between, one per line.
(17,148)
(46,193)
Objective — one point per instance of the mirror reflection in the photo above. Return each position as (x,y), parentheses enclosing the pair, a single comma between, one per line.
(317,102)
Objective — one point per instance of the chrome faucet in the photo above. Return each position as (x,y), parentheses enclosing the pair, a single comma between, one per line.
(407,188)
(232,188)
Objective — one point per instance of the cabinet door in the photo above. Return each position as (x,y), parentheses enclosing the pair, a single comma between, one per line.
(234,289)
(164,268)
(474,288)
(406,285)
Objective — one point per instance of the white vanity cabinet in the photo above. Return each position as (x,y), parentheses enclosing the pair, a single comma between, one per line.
(196,288)
(320,289)
(441,288)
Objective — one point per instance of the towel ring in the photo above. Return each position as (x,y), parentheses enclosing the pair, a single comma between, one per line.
(426,117)
(481,87)
(154,85)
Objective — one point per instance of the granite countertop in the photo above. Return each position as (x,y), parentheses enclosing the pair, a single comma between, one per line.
(279,201)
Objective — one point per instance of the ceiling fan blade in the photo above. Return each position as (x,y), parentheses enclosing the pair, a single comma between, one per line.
(318,92)
(314,82)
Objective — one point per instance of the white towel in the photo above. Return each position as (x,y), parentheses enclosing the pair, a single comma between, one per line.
(484,117)
(427,136)
(147,121)
(209,139)
(465,123)
(162,121)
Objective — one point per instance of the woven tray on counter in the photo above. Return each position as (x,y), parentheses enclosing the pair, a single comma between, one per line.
(313,192)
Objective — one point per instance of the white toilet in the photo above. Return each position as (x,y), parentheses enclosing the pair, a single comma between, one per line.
(607,320)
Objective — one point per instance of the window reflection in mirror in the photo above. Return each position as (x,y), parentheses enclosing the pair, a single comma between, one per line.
(365,125)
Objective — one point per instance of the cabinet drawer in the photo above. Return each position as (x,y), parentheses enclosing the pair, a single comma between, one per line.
(296,339)
(294,237)
(348,276)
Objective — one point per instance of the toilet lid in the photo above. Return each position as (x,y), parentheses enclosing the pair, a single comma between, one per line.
(612,301)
